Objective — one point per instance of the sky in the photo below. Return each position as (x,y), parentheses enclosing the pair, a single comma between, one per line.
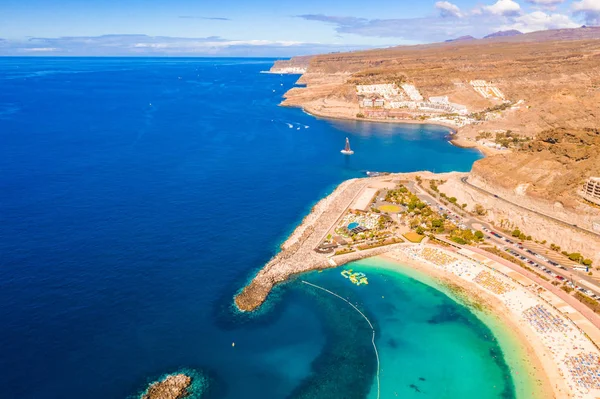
(263,28)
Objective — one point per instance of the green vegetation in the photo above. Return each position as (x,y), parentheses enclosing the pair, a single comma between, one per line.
(433,186)
(506,139)
(574,256)
(566,289)
(483,135)
(504,255)
(518,234)
(577,257)
(464,237)
(587,301)
(402,196)
(480,210)
(344,251)
(380,243)
(480,116)
(360,115)
(450,199)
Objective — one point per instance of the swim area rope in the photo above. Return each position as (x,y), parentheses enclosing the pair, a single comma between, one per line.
(365,317)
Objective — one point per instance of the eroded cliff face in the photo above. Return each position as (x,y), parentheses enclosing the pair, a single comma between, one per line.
(555,72)
(550,169)
(296,65)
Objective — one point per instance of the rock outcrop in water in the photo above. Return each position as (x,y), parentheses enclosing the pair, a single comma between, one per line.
(174,386)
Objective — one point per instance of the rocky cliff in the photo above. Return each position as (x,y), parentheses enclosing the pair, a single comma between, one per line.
(173,386)
(555,74)
(295,65)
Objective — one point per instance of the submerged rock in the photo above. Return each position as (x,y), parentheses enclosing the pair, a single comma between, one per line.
(173,386)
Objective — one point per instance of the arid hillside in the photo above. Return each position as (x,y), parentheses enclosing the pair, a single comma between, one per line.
(552,165)
(555,73)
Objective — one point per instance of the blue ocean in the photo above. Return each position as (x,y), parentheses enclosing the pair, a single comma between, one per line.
(137,196)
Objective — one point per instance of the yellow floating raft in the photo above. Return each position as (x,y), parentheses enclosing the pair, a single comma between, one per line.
(355,278)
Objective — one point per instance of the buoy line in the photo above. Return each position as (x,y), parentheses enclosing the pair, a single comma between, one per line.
(368,321)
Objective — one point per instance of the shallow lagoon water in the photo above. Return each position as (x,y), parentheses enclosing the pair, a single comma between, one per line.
(138,195)
(429,343)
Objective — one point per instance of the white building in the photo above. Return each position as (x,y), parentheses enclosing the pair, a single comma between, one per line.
(591,190)
(440,99)
(486,90)
(385,90)
(412,92)
(402,104)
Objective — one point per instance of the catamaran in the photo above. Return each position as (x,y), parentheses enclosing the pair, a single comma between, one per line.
(347,150)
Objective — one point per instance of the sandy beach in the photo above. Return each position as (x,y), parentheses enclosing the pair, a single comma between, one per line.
(549,349)
(540,373)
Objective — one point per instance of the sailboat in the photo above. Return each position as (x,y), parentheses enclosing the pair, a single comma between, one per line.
(347,150)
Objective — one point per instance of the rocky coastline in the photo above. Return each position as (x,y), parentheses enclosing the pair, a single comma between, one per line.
(174,386)
(298,253)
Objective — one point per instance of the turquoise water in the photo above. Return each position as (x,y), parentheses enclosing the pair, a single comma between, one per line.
(138,195)
(429,344)
(353,225)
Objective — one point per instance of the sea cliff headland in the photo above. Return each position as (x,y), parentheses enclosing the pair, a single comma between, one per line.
(527,102)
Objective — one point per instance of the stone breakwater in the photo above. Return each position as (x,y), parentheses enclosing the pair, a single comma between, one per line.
(174,386)
(297,252)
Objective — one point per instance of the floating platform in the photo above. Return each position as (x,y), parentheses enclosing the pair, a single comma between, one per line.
(357,278)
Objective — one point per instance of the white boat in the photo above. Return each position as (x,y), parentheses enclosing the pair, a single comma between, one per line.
(347,150)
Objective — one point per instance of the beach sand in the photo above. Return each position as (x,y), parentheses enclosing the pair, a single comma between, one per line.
(543,379)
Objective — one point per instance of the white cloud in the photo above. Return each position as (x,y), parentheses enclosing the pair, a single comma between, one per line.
(141,45)
(504,8)
(40,49)
(448,9)
(539,20)
(201,45)
(590,9)
(545,3)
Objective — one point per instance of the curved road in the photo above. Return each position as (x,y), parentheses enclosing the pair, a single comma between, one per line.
(476,224)
(567,224)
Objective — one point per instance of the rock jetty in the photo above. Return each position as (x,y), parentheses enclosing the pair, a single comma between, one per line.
(173,386)
(297,252)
